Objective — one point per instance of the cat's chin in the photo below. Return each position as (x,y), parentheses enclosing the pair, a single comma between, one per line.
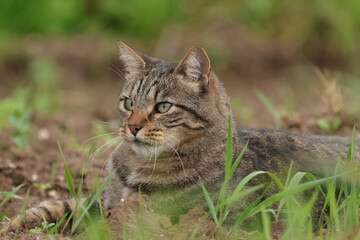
(147,151)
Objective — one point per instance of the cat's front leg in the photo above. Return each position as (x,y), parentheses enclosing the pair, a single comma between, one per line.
(49,211)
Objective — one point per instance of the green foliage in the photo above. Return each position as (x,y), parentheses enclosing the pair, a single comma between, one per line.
(329,126)
(335,23)
(69,16)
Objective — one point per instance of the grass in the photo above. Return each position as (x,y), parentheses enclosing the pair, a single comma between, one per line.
(343,207)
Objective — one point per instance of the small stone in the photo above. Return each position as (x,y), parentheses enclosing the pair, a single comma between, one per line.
(12,165)
(162,235)
(53,194)
(43,134)
(34,177)
(61,177)
(122,200)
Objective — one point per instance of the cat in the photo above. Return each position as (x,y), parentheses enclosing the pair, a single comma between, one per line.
(175,119)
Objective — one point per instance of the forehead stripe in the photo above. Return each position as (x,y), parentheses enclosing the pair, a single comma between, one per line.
(141,82)
(132,87)
(194,113)
(151,86)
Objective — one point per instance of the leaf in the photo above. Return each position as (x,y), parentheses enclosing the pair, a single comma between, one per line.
(324,124)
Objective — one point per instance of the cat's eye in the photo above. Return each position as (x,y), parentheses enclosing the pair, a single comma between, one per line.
(163,107)
(129,104)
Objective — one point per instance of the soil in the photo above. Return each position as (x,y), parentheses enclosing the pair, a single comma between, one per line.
(87,92)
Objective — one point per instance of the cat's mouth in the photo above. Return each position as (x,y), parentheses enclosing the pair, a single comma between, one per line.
(140,142)
(146,149)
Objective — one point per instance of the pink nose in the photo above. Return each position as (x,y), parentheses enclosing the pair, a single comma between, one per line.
(134,128)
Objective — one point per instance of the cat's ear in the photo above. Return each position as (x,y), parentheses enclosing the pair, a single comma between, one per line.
(195,65)
(132,61)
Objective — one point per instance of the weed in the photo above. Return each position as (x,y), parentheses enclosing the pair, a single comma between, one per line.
(329,125)
(20,120)
(42,188)
(44,228)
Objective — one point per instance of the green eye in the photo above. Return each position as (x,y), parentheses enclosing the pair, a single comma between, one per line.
(129,104)
(163,107)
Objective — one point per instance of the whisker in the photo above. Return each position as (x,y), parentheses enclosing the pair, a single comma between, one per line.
(97,136)
(105,164)
(109,143)
(148,159)
(109,123)
(154,165)
(181,162)
(119,70)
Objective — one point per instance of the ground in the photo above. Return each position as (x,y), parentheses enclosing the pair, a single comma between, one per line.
(87,92)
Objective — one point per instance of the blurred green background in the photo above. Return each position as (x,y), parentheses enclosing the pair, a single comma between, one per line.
(68,48)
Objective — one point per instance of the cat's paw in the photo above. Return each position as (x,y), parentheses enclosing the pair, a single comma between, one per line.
(11,226)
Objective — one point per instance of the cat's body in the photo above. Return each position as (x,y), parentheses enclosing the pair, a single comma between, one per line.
(174,126)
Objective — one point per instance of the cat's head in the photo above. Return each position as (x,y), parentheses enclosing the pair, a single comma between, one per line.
(166,106)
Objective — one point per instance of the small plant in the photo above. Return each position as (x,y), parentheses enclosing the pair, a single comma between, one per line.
(42,188)
(44,228)
(329,125)
(7,197)
(20,119)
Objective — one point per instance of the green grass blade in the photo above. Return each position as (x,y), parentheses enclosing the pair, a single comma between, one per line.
(210,204)
(228,162)
(91,202)
(238,195)
(266,225)
(68,177)
(23,213)
(3,214)
(289,192)
(247,211)
(83,171)
(270,107)
(238,159)
(10,195)
(229,150)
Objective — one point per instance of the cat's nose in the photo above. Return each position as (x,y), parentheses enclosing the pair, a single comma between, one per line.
(135,128)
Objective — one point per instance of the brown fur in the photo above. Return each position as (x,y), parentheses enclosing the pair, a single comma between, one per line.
(173,150)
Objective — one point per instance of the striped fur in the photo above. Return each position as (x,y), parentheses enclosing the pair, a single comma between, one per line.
(172,150)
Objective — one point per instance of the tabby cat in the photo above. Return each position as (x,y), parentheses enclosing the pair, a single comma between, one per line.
(175,119)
